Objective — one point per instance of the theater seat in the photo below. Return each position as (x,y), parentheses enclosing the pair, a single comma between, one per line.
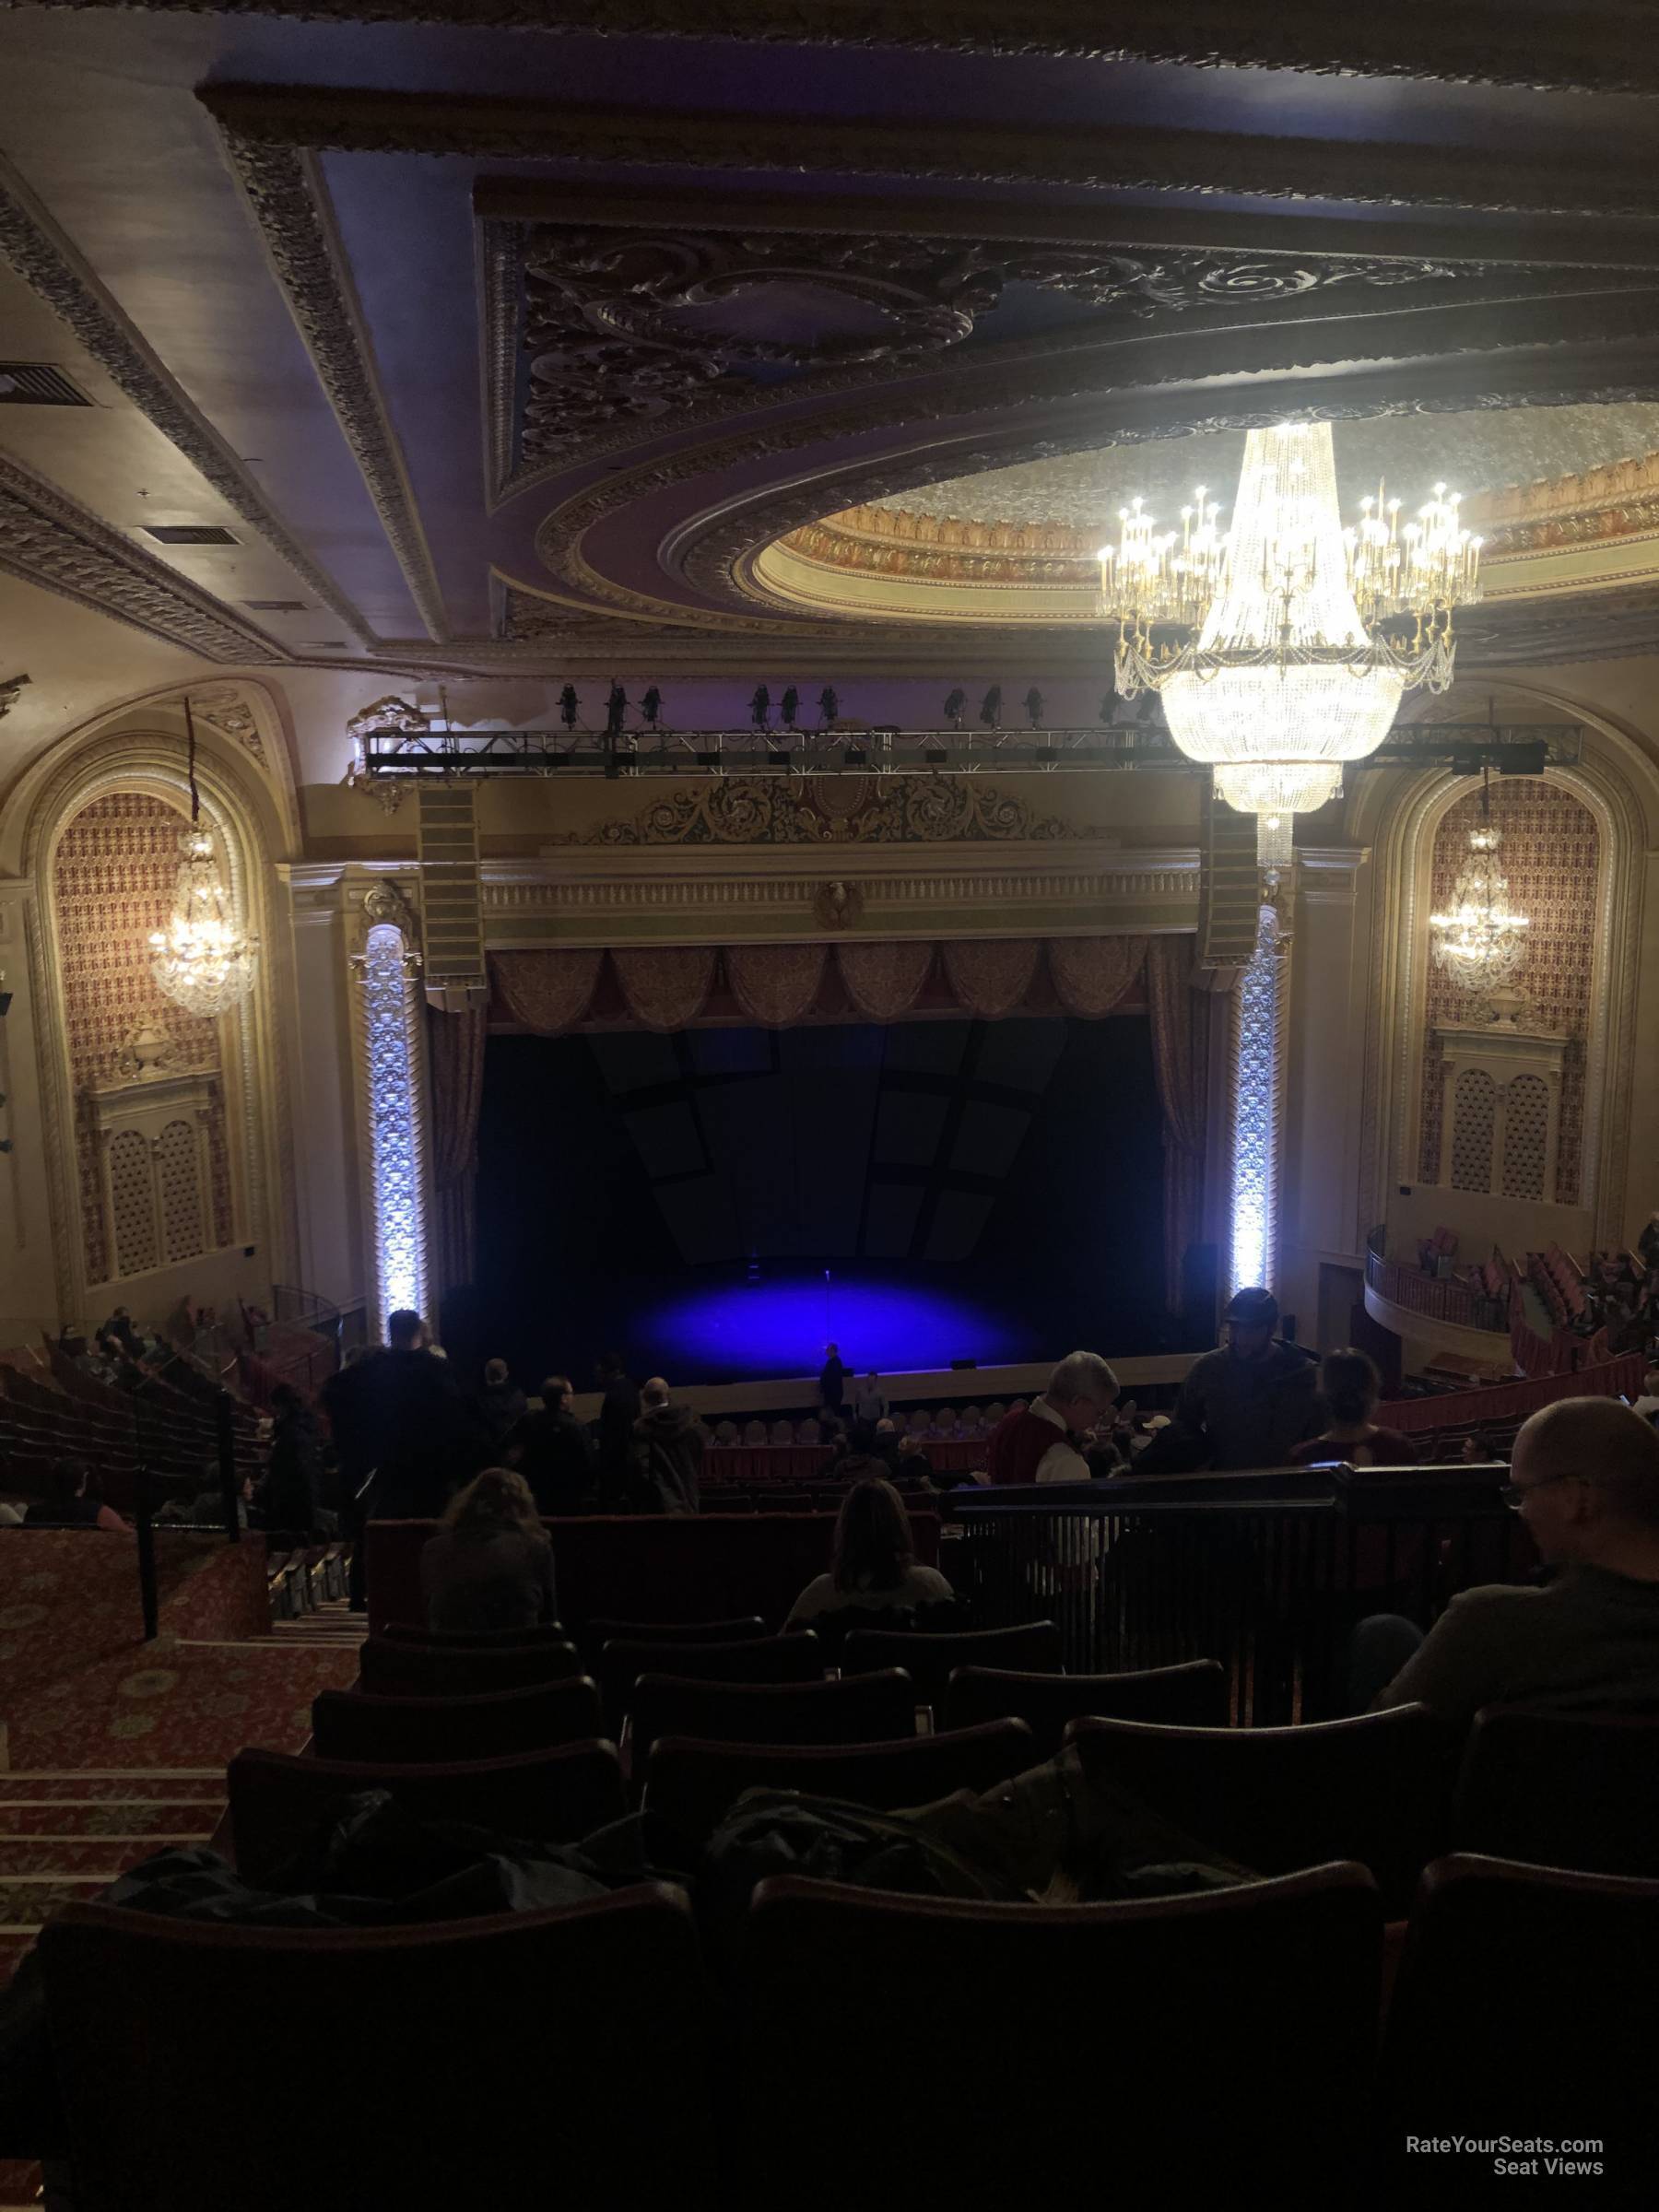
(931,1659)
(278,1803)
(497,2062)
(1576,1790)
(693,1784)
(402,1669)
(348,1723)
(875,1708)
(1376,1789)
(1524,2004)
(1180,2052)
(475,1639)
(744,1659)
(598,1633)
(1194,1695)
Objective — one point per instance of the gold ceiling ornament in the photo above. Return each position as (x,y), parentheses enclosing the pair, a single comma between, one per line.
(203,960)
(1281,647)
(1480,942)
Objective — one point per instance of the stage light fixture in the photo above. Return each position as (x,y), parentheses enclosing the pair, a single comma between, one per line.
(990,711)
(1033,705)
(651,706)
(760,708)
(789,706)
(615,710)
(829,704)
(569,706)
(954,704)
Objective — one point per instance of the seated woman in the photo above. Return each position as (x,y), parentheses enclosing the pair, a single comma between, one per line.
(1350,1386)
(490,1565)
(73,1500)
(874,1568)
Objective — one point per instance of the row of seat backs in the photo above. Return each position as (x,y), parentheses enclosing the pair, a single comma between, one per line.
(608,2093)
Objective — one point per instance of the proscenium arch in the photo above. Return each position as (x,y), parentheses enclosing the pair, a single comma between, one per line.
(149,757)
(1398,815)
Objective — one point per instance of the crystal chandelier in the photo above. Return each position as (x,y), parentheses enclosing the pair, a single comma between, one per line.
(202,959)
(1481,943)
(1286,643)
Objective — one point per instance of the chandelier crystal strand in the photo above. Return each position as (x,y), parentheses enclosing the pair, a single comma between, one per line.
(1273,667)
(203,960)
(1481,941)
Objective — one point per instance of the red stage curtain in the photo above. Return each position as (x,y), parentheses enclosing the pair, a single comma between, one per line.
(549,992)
(1092,973)
(775,984)
(992,977)
(884,981)
(455,1056)
(1181,1059)
(664,985)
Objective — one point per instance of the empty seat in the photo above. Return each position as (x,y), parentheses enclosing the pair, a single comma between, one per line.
(694,1783)
(931,1659)
(745,1659)
(598,1633)
(872,1708)
(1376,1789)
(475,1639)
(1523,2006)
(348,1723)
(159,2026)
(399,1669)
(1084,2009)
(1194,1695)
(278,1803)
(1575,1790)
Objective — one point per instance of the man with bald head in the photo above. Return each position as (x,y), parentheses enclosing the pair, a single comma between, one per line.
(1585,1480)
(668,1455)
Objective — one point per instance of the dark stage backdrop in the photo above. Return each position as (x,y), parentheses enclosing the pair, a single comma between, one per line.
(717,1204)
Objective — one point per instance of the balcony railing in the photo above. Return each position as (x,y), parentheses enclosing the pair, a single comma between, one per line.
(1435,1297)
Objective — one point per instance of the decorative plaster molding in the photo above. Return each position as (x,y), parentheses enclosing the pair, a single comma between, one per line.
(899,809)
(8,693)
(52,272)
(288,204)
(1365,172)
(47,539)
(1589,49)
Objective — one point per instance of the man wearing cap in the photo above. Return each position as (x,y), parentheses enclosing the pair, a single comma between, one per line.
(1247,1404)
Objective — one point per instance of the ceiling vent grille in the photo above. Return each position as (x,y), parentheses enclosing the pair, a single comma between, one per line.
(275,607)
(189,533)
(38,385)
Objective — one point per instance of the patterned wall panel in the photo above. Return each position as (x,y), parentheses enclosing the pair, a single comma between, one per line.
(1526,1138)
(112,885)
(1552,858)
(131,1203)
(1474,1120)
(178,1168)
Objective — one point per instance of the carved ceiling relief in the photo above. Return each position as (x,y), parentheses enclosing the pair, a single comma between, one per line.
(905,810)
(618,329)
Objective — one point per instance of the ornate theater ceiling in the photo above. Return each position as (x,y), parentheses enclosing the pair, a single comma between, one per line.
(437,336)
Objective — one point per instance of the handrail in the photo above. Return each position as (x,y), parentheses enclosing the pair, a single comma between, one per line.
(1435,1297)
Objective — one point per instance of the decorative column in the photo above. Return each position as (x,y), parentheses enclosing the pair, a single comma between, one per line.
(395,1152)
(1258,1081)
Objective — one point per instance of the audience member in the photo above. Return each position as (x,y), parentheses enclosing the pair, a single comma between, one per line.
(887,1446)
(618,1410)
(1247,1404)
(874,1558)
(1042,1441)
(1349,1386)
(869,1406)
(833,1381)
(1647,1405)
(399,1414)
(501,1404)
(120,1324)
(1586,1484)
(554,1452)
(72,1500)
(286,1498)
(911,1460)
(490,1565)
(668,1454)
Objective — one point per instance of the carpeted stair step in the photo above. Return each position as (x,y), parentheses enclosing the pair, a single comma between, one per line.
(190,1818)
(85,1857)
(142,1785)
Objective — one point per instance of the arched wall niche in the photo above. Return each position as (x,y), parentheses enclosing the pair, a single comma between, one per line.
(1398,814)
(142,751)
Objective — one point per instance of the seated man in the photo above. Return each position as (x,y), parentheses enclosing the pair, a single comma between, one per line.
(1586,1483)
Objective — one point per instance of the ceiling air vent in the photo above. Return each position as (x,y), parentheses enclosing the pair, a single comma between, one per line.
(275,607)
(322,645)
(38,385)
(189,533)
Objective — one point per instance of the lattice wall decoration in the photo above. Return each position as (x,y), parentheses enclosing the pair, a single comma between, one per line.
(179,1187)
(131,1203)
(1473,1121)
(112,883)
(392,1064)
(1552,858)
(1258,1058)
(1526,1138)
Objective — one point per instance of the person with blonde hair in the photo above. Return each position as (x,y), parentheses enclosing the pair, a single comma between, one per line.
(490,1565)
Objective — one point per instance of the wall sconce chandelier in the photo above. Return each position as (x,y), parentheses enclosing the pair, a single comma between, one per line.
(1282,647)
(203,960)
(1481,941)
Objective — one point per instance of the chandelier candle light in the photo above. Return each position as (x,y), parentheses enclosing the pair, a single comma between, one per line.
(1286,643)
(203,960)
(1481,943)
